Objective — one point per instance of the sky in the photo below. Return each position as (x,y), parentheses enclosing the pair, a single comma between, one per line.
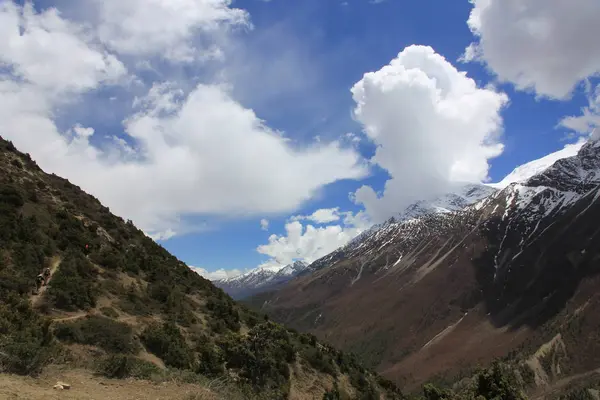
(254,133)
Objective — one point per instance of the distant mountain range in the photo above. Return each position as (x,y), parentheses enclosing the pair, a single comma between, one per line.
(259,280)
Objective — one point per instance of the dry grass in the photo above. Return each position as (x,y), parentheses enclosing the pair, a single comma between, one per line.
(86,386)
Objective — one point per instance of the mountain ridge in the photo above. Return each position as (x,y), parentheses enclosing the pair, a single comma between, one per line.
(259,280)
(512,267)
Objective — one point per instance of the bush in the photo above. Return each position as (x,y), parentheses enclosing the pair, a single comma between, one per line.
(73,285)
(168,343)
(318,360)
(210,360)
(498,382)
(224,311)
(262,357)
(110,335)
(25,338)
(121,366)
(431,392)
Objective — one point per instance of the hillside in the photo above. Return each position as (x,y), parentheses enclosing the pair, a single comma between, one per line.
(513,276)
(119,305)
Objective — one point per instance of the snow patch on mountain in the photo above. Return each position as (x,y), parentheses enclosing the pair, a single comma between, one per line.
(260,279)
(526,171)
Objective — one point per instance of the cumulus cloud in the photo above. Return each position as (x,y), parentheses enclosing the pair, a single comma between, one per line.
(322,216)
(179,153)
(52,54)
(218,274)
(590,115)
(432,125)
(164,27)
(264,224)
(546,45)
(305,242)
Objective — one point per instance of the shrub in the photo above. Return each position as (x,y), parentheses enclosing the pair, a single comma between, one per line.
(318,360)
(110,335)
(262,357)
(168,343)
(25,339)
(73,285)
(122,366)
(498,382)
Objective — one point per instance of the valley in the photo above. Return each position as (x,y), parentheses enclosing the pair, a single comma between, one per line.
(433,296)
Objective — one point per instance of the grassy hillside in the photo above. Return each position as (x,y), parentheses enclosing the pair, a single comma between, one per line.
(125,307)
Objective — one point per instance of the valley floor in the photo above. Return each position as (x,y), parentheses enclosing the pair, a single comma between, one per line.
(86,386)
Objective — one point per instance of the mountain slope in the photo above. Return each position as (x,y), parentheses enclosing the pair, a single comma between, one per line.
(121,305)
(441,293)
(266,279)
(260,280)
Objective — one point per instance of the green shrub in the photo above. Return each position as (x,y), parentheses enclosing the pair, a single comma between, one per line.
(319,360)
(167,342)
(73,285)
(498,382)
(25,338)
(431,392)
(122,366)
(262,357)
(110,335)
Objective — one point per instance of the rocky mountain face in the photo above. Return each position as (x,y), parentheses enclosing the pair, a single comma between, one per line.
(513,275)
(118,305)
(260,280)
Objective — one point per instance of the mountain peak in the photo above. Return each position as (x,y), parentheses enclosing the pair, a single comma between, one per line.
(260,279)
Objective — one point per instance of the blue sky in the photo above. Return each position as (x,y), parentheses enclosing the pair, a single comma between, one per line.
(345,42)
(129,103)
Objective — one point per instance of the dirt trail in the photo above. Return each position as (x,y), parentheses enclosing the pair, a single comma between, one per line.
(71,317)
(54,264)
(86,386)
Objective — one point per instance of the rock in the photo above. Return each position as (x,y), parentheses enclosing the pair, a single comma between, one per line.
(62,386)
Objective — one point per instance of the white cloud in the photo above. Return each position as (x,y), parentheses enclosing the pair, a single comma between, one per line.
(322,216)
(165,28)
(218,274)
(546,45)
(309,243)
(196,152)
(432,126)
(264,224)
(52,54)
(590,115)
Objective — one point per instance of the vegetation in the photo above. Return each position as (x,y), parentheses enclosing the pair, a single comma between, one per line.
(193,327)
(498,382)
(109,335)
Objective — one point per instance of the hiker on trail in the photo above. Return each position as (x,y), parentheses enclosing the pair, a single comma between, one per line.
(46,274)
(39,281)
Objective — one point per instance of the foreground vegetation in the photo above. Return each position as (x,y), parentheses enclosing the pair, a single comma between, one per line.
(156,304)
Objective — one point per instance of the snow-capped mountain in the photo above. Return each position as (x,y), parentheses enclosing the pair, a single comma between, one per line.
(443,287)
(526,171)
(461,197)
(260,279)
(409,219)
